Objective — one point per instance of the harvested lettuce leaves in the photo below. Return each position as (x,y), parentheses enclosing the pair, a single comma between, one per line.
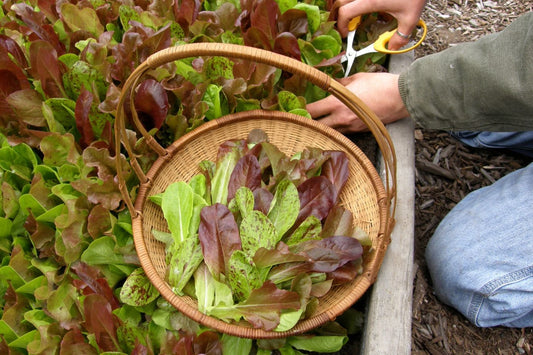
(271,240)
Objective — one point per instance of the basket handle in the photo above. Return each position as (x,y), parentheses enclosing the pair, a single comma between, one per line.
(288,64)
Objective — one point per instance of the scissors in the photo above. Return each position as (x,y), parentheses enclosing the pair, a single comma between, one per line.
(380,45)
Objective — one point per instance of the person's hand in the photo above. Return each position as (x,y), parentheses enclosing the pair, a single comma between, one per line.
(379,91)
(407,13)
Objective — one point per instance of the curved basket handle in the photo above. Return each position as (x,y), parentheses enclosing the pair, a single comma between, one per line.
(291,65)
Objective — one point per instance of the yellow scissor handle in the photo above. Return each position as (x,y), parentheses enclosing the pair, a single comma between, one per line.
(381,44)
(354,23)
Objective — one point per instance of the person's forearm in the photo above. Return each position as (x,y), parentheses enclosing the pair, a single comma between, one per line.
(484,85)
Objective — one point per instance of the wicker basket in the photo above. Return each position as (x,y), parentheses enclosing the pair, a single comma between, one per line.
(365,194)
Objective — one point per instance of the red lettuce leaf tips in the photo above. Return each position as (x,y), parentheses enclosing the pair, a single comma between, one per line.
(219,237)
(247,172)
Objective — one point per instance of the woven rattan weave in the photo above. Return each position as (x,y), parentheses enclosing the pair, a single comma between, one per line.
(370,198)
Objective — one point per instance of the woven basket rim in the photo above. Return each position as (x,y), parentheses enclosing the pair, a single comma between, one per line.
(362,282)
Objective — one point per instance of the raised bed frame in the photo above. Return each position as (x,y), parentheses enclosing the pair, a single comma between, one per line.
(389,310)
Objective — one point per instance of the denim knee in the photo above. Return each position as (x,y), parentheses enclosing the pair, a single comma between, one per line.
(518,142)
(481,255)
(504,301)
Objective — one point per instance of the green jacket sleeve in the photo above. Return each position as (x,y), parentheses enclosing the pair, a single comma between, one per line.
(485,85)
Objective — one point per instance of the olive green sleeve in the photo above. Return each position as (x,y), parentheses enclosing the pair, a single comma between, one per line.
(485,85)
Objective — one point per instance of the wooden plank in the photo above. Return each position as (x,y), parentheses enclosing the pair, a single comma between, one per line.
(388,320)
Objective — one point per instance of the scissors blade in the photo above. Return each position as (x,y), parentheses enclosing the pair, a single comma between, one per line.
(350,52)
(368,49)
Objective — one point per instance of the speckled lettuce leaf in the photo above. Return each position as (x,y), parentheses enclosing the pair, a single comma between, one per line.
(310,228)
(243,202)
(138,290)
(257,231)
(288,101)
(184,260)
(82,75)
(243,276)
(218,67)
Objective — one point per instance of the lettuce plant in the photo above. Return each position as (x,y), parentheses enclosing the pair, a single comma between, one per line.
(69,272)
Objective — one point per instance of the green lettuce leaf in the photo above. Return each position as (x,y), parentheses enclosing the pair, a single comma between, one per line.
(177,206)
(210,292)
(236,345)
(284,208)
(217,102)
(316,343)
(220,180)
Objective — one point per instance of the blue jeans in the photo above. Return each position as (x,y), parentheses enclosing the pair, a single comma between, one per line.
(518,142)
(481,255)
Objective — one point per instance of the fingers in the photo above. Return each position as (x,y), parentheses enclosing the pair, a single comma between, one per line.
(331,112)
(322,107)
(330,104)
(343,126)
(396,42)
(334,12)
(350,10)
(407,13)
(330,121)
